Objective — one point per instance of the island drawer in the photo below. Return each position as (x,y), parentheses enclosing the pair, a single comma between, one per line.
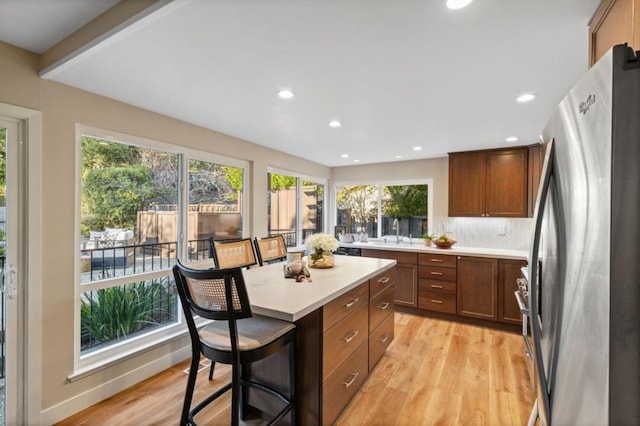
(340,341)
(437,286)
(437,273)
(381,306)
(379,341)
(382,281)
(439,302)
(343,384)
(445,260)
(342,306)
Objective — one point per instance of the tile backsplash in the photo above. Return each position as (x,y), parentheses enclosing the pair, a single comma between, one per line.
(489,232)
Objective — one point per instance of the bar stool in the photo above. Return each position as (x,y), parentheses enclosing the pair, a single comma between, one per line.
(271,249)
(235,337)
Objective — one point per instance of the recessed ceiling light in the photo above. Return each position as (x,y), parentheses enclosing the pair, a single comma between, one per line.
(335,123)
(457,4)
(417,148)
(285,94)
(526,97)
(512,139)
(398,156)
(356,161)
(345,155)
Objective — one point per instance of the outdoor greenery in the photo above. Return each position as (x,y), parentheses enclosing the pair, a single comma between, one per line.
(118,180)
(405,201)
(117,312)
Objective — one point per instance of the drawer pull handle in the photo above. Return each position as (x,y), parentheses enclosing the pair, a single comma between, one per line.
(436,260)
(436,273)
(351,302)
(384,338)
(436,301)
(436,286)
(350,382)
(383,280)
(384,306)
(351,336)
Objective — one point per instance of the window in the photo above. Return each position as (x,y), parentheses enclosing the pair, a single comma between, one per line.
(372,209)
(215,195)
(295,207)
(133,226)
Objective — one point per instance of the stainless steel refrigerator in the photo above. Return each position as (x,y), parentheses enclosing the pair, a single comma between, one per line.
(584,267)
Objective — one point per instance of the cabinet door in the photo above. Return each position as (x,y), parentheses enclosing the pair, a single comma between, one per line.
(506,183)
(613,23)
(467,184)
(478,287)
(407,285)
(508,310)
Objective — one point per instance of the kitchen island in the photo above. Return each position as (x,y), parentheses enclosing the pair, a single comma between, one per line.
(344,321)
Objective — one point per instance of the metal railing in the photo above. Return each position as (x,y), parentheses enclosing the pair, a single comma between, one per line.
(290,235)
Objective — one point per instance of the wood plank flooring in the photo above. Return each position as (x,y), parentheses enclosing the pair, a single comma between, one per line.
(434,373)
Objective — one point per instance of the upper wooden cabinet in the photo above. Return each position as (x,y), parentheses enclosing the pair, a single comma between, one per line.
(489,183)
(615,22)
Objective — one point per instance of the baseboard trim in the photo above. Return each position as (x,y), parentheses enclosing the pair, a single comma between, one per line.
(88,398)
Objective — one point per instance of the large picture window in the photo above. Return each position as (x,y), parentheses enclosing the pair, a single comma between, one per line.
(380,210)
(132,228)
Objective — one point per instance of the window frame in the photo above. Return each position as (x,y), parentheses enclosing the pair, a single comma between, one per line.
(85,364)
(299,178)
(379,184)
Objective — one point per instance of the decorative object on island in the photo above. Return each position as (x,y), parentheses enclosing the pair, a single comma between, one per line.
(428,239)
(443,241)
(298,270)
(321,247)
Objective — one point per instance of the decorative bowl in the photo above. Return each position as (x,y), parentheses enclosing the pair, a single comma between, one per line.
(444,244)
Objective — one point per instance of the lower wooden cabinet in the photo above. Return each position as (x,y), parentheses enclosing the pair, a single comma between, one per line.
(406,274)
(477,292)
(508,309)
(340,387)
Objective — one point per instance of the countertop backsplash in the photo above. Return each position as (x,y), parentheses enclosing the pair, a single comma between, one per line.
(502,233)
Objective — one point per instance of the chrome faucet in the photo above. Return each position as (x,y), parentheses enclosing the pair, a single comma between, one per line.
(396,228)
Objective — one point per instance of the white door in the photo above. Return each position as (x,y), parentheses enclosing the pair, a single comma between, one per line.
(9,257)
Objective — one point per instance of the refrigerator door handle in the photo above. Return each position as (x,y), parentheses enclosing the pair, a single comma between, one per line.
(542,389)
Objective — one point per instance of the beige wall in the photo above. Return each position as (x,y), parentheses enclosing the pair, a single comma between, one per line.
(62,107)
(435,168)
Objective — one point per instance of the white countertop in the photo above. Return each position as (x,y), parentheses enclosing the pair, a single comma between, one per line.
(455,250)
(273,295)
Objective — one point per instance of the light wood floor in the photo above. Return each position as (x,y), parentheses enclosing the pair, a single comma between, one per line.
(434,373)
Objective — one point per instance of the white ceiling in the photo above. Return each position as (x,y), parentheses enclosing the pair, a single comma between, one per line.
(397,73)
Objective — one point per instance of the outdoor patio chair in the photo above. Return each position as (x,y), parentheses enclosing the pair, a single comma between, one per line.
(271,249)
(235,336)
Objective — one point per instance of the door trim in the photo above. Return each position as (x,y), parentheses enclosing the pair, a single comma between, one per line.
(29,401)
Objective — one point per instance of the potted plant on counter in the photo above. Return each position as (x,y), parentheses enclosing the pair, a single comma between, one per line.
(321,248)
(428,239)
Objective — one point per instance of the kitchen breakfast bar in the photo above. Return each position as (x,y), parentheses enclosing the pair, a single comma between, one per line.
(344,320)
